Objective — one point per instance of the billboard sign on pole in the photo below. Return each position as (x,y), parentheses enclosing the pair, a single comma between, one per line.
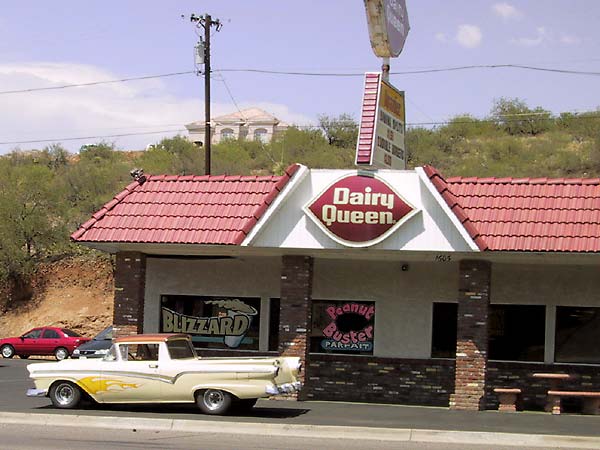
(388,26)
(382,125)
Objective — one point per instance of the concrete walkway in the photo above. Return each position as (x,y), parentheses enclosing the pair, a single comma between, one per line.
(339,420)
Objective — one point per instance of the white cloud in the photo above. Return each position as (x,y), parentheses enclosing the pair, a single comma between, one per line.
(541,37)
(506,11)
(469,36)
(569,39)
(441,37)
(109,109)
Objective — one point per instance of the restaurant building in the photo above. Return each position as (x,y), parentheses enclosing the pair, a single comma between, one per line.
(393,286)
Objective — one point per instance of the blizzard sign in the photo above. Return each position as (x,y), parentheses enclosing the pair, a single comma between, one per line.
(359,211)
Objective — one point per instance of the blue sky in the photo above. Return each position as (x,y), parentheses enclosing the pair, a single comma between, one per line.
(79,42)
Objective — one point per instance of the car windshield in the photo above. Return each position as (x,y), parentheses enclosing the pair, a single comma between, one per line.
(70,333)
(107,333)
(181,349)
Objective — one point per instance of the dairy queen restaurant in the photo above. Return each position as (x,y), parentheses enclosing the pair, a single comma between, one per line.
(392,286)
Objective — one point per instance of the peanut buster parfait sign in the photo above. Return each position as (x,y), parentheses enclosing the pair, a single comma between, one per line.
(359,211)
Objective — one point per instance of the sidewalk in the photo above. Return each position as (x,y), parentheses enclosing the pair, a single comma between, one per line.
(337,420)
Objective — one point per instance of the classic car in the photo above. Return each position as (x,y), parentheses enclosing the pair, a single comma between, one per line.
(59,342)
(164,368)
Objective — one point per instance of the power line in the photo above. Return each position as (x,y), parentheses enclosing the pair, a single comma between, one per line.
(96,83)
(311,74)
(90,137)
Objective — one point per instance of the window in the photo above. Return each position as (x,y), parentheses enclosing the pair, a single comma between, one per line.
(180,349)
(51,334)
(139,352)
(577,335)
(218,322)
(70,333)
(33,334)
(342,327)
(517,332)
(261,135)
(227,133)
(274,312)
(443,339)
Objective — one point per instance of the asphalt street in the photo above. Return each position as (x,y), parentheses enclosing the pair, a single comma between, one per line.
(14,382)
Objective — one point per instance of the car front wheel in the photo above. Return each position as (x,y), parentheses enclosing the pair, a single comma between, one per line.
(61,353)
(65,395)
(7,351)
(214,401)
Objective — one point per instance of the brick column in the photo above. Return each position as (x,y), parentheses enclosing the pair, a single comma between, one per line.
(472,335)
(295,314)
(130,280)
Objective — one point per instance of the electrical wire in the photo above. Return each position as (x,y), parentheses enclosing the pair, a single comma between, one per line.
(311,74)
(90,137)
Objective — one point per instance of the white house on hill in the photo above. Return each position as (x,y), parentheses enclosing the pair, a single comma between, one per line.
(247,124)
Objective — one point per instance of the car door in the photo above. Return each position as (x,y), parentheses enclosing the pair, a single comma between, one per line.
(49,340)
(27,345)
(132,376)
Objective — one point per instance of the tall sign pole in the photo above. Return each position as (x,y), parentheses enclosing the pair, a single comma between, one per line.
(203,57)
(380,142)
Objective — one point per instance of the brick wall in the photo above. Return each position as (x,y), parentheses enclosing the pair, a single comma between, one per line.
(379,380)
(130,277)
(295,313)
(472,335)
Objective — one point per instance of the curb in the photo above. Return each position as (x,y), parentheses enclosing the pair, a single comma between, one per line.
(320,431)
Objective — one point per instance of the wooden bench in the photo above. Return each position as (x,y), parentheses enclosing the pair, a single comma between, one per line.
(507,398)
(591,400)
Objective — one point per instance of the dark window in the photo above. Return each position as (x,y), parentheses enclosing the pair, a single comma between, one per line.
(342,327)
(219,322)
(180,349)
(51,334)
(577,335)
(517,332)
(70,333)
(33,334)
(274,312)
(443,339)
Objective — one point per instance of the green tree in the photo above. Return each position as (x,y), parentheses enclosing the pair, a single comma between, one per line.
(516,118)
(340,131)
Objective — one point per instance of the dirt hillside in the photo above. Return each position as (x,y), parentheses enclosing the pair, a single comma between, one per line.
(75,293)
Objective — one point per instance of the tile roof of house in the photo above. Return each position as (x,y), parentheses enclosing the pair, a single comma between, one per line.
(525,214)
(185,209)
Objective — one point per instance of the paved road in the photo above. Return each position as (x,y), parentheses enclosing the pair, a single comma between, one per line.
(14,382)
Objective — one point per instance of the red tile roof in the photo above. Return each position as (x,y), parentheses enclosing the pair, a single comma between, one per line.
(185,209)
(525,214)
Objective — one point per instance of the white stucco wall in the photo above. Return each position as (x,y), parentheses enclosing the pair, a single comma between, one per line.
(403,299)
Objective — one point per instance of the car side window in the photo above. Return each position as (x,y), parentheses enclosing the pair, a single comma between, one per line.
(33,334)
(50,334)
(139,352)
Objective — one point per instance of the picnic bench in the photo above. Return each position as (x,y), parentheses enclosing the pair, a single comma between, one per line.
(591,400)
(507,398)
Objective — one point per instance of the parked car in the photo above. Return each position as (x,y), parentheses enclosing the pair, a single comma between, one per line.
(98,347)
(164,368)
(59,342)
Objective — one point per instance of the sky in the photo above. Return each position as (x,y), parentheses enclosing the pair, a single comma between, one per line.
(75,42)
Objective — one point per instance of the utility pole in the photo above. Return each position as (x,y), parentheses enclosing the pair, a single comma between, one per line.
(203,57)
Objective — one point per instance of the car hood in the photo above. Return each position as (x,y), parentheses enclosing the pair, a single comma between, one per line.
(96,344)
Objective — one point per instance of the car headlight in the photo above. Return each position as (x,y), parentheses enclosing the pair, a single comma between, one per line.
(76,351)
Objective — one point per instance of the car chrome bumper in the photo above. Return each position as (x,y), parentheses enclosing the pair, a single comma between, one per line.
(36,392)
(286,388)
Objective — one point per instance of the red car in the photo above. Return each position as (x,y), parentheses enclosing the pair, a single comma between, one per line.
(59,342)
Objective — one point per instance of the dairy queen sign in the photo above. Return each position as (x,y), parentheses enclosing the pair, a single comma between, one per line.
(359,210)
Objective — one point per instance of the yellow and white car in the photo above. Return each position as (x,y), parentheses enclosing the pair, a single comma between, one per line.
(164,368)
